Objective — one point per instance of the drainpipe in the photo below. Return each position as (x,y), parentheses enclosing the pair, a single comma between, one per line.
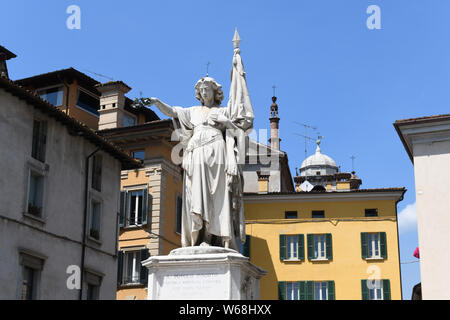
(86,213)
(398,244)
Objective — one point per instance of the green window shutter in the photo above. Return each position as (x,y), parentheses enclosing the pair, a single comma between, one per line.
(123,206)
(302,290)
(301,246)
(364,249)
(329,246)
(282,246)
(282,290)
(331,293)
(364,290)
(143,276)
(119,267)
(145,207)
(310,241)
(309,290)
(383,245)
(386,290)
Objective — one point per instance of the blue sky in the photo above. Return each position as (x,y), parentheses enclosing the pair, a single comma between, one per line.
(330,70)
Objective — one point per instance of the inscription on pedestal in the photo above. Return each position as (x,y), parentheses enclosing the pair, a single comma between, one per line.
(191,287)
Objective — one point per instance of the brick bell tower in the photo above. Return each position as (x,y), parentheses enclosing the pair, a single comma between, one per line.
(274,124)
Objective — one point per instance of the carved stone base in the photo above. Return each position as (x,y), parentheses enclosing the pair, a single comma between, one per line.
(202,273)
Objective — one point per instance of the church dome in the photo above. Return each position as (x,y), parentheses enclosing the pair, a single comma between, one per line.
(318,164)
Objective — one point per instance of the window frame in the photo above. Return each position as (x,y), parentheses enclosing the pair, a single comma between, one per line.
(130,116)
(81,89)
(39,149)
(316,211)
(321,285)
(34,167)
(37,91)
(97,172)
(128,189)
(368,212)
(287,213)
(292,247)
(94,199)
(323,247)
(372,244)
(34,262)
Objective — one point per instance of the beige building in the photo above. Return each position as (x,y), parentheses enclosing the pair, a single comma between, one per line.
(427,142)
(59,202)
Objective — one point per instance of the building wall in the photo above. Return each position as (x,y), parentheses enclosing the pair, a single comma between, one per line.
(165,183)
(81,115)
(432,179)
(58,235)
(345,220)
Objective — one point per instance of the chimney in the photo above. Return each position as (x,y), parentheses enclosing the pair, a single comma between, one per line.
(274,122)
(112,103)
(5,55)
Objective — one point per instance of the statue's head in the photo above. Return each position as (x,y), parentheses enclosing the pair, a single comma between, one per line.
(216,88)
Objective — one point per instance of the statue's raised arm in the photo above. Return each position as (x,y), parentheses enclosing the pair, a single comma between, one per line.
(163,107)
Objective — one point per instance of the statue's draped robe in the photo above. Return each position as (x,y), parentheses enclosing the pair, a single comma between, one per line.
(212,163)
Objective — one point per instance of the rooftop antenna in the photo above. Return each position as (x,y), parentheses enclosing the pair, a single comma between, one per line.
(100,75)
(306,127)
(274,87)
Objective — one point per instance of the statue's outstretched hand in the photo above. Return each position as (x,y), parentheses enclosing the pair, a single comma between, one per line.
(149,101)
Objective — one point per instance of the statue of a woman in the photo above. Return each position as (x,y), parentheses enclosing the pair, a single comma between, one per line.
(213,137)
(211,173)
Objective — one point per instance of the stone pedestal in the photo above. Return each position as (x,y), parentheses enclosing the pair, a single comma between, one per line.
(202,273)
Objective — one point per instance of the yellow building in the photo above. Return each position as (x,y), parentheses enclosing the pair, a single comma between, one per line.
(325,243)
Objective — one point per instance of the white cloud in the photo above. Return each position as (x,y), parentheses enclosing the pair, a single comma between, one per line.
(407,218)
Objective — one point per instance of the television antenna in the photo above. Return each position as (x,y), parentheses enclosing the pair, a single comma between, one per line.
(306,127)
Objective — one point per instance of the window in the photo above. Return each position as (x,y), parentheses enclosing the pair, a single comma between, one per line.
(138,154)
(87,102)
(39,140)
(292,247)
(371,212)
(134,207)
(317,173)
(179,206)
(28,283)
(373,241)
(373,245)
(290,214)
(31,267)
(93,282)
(320,247)
(52,95)
(376,289)
(306,290)
(320,291)
(97,172)
(92,292)
(318,214)
(292,291)
(128,121)
(130,268)
(94,227)
(35,194)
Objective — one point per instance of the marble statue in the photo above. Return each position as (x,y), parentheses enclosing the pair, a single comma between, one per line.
(212,136)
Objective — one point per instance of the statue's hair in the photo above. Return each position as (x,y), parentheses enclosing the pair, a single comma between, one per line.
(218,93)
